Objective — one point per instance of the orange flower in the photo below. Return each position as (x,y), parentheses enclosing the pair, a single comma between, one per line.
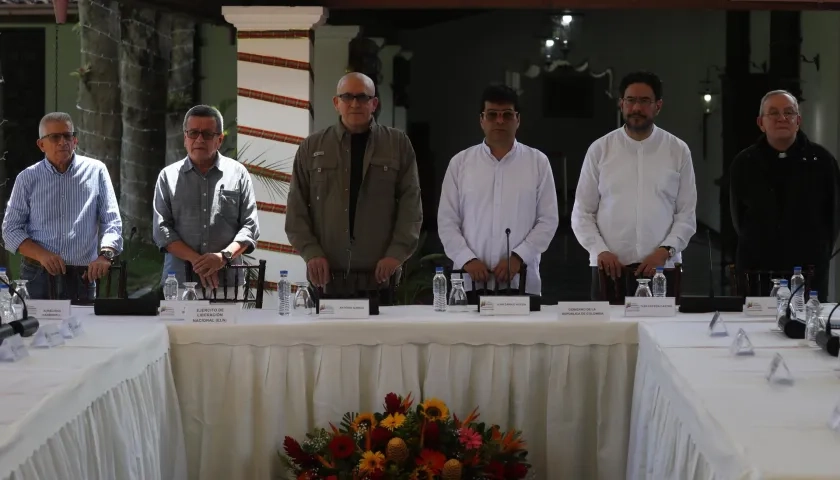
(371,462)
(434,409)
(431,459)
(422,473)
(366,419)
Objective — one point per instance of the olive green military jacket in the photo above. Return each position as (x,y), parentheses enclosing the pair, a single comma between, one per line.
(388,210)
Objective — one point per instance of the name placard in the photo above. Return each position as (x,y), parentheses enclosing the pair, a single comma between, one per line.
(504,305)
(584,311)
(344,308)
(760,306)
(49,309)
(650,307)
(177,309)
(215,313)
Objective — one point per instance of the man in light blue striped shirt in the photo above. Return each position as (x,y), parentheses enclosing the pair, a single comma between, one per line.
(58,210)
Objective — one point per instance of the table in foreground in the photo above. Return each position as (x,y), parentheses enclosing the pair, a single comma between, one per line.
(243,387)
(101,407)
(701,413)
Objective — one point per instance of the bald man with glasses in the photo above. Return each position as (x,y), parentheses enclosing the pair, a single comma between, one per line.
(354,201)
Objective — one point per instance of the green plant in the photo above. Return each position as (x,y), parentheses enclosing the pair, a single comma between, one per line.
(417,274)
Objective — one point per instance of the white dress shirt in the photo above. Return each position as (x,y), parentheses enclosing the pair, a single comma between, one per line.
(481,197)
(635,196)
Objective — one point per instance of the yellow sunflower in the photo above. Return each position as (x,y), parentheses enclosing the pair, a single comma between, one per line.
(421,473)
(371,462)
(366,419)
(392,422)
(435,409)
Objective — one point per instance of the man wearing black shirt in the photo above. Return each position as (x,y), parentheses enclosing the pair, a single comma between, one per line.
(785,196)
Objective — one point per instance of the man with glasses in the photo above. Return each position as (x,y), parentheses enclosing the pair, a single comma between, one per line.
(63,217)
(354,201)
(785,196)
(205,209)
(494,186)
(636,196)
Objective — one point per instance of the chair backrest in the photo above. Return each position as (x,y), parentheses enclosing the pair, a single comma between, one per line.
(480,288)
(119,268)
(615,291)
(359,281)
(253,276)
(758,282)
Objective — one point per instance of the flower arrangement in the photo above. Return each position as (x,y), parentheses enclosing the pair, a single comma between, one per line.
(401,443)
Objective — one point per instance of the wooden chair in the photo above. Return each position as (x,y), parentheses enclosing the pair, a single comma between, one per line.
(358,281)
(118,267)
(474,292)
(615,291)
(759,282)
(253,275)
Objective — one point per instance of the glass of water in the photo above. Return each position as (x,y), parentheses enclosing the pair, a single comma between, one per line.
(303,298)
(643,290)
(189,291)
(457,297)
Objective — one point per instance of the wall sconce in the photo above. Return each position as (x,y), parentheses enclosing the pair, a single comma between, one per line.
(557,45)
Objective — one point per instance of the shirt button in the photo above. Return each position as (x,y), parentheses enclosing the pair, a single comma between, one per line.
(205,210)
(345,209)
(205,244)
(205,226)
(204,194)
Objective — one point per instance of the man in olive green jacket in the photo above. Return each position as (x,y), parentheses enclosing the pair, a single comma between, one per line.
(354,201)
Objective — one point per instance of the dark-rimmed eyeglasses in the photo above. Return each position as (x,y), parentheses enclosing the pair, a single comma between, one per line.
(361,97)
(206,134)
(643,101)
(493,115)
(787,115)
(57,137)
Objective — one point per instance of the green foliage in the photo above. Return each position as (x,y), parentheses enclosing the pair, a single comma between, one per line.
(417,274)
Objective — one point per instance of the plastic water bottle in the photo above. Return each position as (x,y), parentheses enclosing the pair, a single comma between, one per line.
(439,289)
(812,318)
(6,312)
(170,287)
(659,283)
(284,293)
(797,285)
(4,276)
(782,297)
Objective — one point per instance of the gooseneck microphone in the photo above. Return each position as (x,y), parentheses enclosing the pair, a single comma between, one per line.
(509,279)
(25,327)
(826,340)
(128,244)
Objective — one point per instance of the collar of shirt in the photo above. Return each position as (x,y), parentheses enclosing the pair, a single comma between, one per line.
(651,139)
(49,166)
(189,165)
(508,156)
(341,130)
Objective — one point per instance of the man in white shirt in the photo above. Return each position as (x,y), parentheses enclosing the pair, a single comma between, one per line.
(497,185)
(636,197)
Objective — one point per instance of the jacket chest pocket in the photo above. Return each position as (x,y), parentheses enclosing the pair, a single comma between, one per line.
(382,177)
(323,178)
(227,204)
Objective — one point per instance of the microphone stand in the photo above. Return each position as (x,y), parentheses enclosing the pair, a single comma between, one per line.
(25,327)
(509,279)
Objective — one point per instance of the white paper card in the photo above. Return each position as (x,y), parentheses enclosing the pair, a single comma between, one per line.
(779,373)
(13,349)
(213,313)
(760,306)
(717,327)
(71,327)
(650,307)
(741,346)
(177,309)
(584,311)
(47,336)
(48,309)
(504,305)
(344,308)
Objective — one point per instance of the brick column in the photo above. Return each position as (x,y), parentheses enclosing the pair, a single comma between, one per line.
(274,114)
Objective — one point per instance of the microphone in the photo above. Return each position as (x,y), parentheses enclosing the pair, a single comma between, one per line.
(711,272)
(25,327)
(128,244)
(710,303)
(510,280)
(826,340)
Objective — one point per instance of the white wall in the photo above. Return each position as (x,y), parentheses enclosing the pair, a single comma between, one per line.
(454,61)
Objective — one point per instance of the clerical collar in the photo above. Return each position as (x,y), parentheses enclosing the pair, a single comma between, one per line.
(782,154)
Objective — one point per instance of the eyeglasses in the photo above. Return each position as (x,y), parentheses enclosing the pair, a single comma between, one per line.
(363,98)
(57,137)
(787,115)
(643,101)
(493,115)
(207,134)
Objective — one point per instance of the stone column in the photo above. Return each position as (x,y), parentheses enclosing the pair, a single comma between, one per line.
(386,93)
(274,114)
(330,64)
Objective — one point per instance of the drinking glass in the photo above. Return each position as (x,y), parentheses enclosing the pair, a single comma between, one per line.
(457,297)
(189,291)
(303,298)
(17,300)
(643,290)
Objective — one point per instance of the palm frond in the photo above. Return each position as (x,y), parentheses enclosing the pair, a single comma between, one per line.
(272,174)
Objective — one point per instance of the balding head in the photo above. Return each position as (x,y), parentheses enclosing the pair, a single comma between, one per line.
(355,82)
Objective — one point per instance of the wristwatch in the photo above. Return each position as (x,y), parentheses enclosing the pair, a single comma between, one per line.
(228,256)
(671,250)
(108,254)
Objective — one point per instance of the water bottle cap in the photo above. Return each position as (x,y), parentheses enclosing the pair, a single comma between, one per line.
(797,269)
(2,269)
(660,269)
(438,269)
(284,272)
(171,273)
(814,293)
(784,282)
(4,286)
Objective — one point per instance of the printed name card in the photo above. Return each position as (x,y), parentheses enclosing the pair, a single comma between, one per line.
(214,313)
(344,308)
(760,306)
(650,307)
(504,305)
(13,349)
(583,311)
(177,309)
(48,336)
(48,309)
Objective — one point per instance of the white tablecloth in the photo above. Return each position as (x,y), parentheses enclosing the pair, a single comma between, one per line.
(701,413)
(243,387)
(101,407)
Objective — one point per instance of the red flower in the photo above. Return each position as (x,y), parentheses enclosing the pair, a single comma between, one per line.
(431,459)
(376,475)
(341,446)
(496,470)
(431,435)
(380,436)
(296,453)
(393,404)
(515,471)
